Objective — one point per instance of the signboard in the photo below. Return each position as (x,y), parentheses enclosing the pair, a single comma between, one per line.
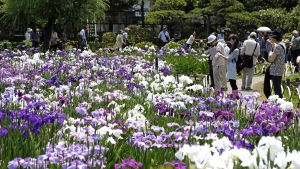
(139,14)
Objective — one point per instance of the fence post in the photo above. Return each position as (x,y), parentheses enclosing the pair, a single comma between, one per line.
(288,82)
(156,63)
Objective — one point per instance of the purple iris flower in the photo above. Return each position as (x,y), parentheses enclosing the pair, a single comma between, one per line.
(2,114)
(3,132)
(128,162)
(176,164)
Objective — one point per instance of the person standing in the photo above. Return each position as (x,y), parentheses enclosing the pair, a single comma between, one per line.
(287,58)
(276,69)
(232,57)
(218,62)
(221,35)
(125,38)
(191,40)
(250,47)
(209,59)
(53,40)
(261,41)
(164,36)
(28,33)
(64,37)
(82,37)
(247,35)
(35,38)
(295,49)
(119,40)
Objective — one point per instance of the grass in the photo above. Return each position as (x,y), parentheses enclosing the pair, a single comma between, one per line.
(258,87)
(292,77)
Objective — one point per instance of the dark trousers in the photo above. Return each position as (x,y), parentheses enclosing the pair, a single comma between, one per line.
(295,54)
(233,84)
(53,47)
(163,43)
(276,80)
(211,75)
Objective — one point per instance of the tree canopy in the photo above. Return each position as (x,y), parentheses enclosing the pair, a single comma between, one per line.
(48,13)
(239,15)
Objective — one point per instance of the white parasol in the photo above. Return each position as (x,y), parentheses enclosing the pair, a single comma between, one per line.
(263,29)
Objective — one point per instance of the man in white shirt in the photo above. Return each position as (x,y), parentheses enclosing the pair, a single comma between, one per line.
(164,36)
(191,40)
(83,42)
(250,47)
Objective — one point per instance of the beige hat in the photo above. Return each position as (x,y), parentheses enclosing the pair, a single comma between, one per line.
(211,38)
(295,32)
(126,29)
(286,41)
(29,30)
(253,34)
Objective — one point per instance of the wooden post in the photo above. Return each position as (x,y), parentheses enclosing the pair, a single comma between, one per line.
(288,82)
(156,63)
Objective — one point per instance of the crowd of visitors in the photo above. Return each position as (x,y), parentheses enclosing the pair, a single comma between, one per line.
(257,47)
(224,55)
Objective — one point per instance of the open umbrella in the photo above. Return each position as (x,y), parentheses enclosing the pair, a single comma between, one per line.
(263,29)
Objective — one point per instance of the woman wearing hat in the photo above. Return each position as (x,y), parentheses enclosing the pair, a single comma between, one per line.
(276,69)
(119,40)
(125,38)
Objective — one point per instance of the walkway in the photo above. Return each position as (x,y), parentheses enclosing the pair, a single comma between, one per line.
(255,80)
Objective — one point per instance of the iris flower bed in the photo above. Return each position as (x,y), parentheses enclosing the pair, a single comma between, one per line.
(108,109)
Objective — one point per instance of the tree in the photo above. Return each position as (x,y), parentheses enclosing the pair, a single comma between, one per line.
(166,12)
(241,22)
(120,5)
(71,12)
(256,5)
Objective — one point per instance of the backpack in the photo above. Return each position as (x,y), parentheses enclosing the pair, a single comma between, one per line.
(239,62)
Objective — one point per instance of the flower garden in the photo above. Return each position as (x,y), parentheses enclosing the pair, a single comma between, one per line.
(79,110)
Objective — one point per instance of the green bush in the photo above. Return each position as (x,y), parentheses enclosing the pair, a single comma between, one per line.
(182,41)
(143,45)
(173,45)
(5,44)
(287,36)
(183,64)
(109,40)
(137,34)
(95,44)
(70,45)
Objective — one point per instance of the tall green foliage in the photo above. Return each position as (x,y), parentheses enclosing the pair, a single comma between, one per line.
(68,12)
(169,12)
(138,34)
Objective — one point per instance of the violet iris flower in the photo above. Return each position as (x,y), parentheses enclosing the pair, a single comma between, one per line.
(128,162)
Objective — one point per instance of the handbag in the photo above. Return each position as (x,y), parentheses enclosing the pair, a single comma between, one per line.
(248,59)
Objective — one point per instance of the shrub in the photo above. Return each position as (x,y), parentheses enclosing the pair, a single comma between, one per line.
(182,41)
(5,44)
(173,45)
(138,34)
(143,44)
(109,39)
(95,44)
(71,44)
(287,36)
